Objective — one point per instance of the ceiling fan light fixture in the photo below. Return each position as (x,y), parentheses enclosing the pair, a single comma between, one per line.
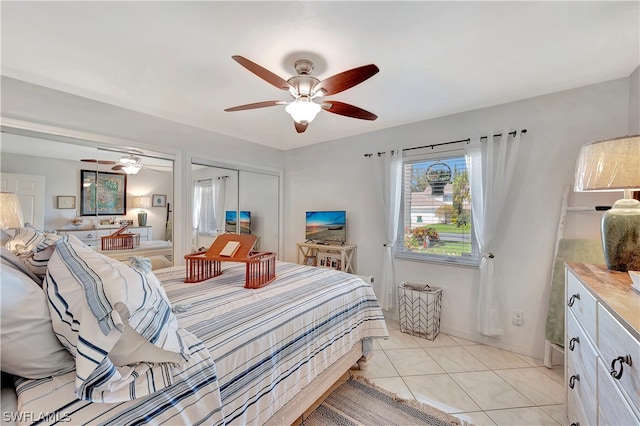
(131,169)
(303,110)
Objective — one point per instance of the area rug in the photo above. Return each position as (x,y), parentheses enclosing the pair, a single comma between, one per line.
(360,402)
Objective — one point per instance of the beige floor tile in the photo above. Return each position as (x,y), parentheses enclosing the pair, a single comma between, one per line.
(440,340)
(398,340)
(440,391)
(490,391)
(413,362)
(394,385)
(535,385)
(533,362)
(379,366)
(529,416)
(476,418)
(376,344)
(455,359)
(496,358)
(556,373)
(463,342)
(556,412)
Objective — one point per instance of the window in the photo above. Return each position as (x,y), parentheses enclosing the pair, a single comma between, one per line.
(436,212)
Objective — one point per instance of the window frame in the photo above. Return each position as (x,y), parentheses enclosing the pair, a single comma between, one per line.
(472,260)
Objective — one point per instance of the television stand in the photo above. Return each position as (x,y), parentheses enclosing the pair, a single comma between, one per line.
(312,253)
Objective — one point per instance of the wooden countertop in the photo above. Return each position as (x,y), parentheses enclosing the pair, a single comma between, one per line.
(612,289)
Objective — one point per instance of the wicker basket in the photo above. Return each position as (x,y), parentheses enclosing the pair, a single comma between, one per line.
(419,306)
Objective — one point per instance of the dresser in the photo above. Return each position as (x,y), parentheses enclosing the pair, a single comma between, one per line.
(91,237)
(602,346)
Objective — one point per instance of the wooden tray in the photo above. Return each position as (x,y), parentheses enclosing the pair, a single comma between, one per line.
(260,266)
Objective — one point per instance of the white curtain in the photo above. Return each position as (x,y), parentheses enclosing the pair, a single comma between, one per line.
(491,167)
(219,188)
(388,179)
(196,213)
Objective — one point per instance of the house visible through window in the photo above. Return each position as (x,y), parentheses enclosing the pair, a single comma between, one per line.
(436,211)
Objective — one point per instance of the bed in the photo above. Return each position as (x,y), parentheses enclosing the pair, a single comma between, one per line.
(257,356)
(154,248)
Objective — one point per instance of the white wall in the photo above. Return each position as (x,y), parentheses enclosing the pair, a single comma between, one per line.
(634,102)
(335,175)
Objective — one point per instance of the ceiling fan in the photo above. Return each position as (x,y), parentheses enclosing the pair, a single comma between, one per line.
(305,89)
(130,164)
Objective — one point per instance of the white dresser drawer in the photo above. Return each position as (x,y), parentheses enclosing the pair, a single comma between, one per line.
(583,390)
(613,407)
(583,305)
(580,351)
(616,343)
(89,237)
(575,412)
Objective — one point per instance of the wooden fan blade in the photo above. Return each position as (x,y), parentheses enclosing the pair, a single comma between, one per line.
(300,128)
(347,79)
(263,73)
(93,160)
(255,105)
(341,108)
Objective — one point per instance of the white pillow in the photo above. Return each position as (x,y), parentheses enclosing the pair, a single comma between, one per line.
(105,311)
(29,346)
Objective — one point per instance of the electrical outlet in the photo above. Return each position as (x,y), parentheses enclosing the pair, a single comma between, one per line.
(517,317)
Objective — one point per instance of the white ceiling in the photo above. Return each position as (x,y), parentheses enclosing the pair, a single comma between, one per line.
(173,59)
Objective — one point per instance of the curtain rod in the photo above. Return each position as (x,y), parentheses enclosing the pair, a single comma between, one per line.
(448,143)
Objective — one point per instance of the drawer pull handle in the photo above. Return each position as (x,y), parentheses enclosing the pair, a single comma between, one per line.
(89,235)
(572,343)
(575,424)
(573,299)
(622,359)
(572,380)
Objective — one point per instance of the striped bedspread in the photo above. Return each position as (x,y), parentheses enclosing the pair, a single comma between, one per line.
(265,346)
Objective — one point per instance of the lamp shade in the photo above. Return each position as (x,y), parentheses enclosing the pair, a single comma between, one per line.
(609,165)
(303,110)
(10,210)
(143,202)
(614,165)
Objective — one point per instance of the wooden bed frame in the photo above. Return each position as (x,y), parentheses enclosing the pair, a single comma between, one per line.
(315,392)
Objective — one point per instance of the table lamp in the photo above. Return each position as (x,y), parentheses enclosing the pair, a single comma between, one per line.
(614,165)
(143,203)
(10,211)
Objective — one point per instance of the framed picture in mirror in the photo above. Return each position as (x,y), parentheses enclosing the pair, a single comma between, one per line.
(66,201)
(102,193)
(159,200)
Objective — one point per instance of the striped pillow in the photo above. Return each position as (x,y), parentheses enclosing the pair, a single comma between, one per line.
(95,303)
(34,248)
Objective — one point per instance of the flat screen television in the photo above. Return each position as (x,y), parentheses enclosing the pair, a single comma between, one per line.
(230,220)
(326,226)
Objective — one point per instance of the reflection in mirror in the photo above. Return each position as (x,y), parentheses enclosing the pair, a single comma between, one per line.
(226,199)
(86,191)
(259,202)
(215,193)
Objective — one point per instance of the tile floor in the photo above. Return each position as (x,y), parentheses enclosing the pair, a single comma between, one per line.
(477,383)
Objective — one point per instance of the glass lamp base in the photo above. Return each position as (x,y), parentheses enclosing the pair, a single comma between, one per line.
(621,236)
(142,219)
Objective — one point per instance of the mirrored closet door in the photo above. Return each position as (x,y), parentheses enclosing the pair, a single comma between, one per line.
(89,191)
(228,199)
